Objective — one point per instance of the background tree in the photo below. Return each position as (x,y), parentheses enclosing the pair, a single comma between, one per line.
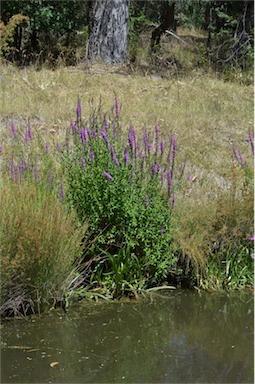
(58,27)
(167,22)
(108,30)
(50,20)
(231,35)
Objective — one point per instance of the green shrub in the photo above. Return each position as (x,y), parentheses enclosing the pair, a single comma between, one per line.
(126,189)
(7,32)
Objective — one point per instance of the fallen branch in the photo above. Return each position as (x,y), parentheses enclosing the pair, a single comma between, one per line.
(174,35)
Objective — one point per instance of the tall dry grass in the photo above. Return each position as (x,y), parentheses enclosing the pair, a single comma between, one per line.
(39,243)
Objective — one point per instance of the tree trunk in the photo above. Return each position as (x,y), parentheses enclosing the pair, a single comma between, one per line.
(167,23)
(108,29)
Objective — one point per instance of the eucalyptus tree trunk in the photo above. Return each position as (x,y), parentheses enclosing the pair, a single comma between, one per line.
(108,29)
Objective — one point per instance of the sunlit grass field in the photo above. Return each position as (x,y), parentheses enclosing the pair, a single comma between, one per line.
(206,114)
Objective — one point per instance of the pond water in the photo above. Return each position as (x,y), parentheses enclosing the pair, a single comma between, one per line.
(172,337)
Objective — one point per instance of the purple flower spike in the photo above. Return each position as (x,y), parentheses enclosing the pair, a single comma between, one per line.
(104,136)
(22,167)
(131,138)
(125,158)
(105,125)
(46,148)
(1,149)
(78,110)
(169,181)
(59,147)
(114,130)
(174,148)
(234,152)
(114,158)
(117,112)
(162,232)
(83,163)
(183,169)
(251,238)
(26,139)
(189,177)
(153,169)
(173,201)
(149,145)
(83,135)
(29,132)
(35,174)
(162,147)
(169,158)
(241,159)
(156,132)
(61,192)
(67,141)
(50,180)
(107,175)
(156,139)
(92,156)
(14,133)
(12,170)
(112,151)
(140,153)
(74,127)
(251,141)
(145,139)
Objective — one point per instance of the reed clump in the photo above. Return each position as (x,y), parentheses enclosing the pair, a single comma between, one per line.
(39,243)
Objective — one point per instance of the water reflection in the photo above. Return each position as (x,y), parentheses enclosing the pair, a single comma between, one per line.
(178,337)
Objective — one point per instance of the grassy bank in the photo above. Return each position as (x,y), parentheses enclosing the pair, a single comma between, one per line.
(68,231)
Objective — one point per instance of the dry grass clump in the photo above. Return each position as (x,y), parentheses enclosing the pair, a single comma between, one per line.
(215,237)
(38,244)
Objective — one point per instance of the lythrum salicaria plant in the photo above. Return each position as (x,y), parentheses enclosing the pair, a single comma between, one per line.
(126,189)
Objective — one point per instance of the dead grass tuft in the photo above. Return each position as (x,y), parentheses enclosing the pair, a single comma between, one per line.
(38,244)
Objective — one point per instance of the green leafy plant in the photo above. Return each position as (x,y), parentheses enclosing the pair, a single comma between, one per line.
(123,274)
(126,190)
(231,269)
